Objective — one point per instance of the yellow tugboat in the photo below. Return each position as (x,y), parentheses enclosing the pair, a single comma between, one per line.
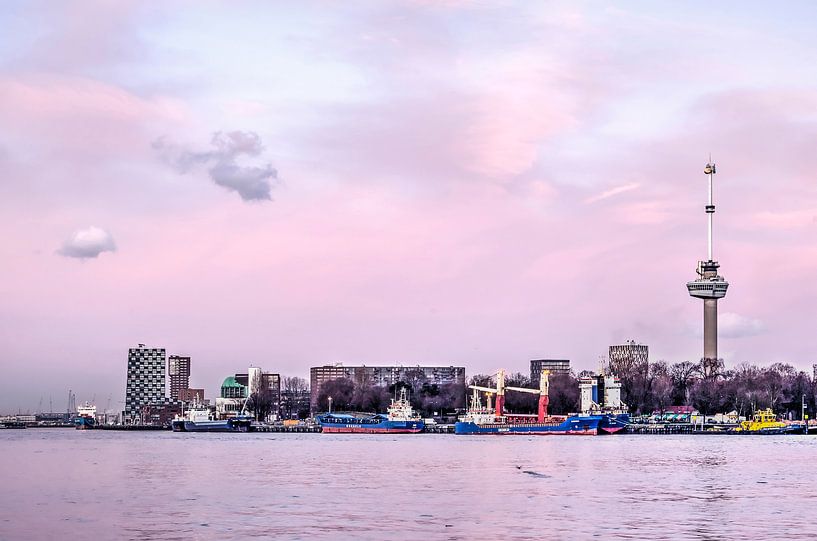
(765,422)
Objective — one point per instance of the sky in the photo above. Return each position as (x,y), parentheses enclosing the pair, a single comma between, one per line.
(422,182)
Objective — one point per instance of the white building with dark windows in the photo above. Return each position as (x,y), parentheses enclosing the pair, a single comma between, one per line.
(145,388)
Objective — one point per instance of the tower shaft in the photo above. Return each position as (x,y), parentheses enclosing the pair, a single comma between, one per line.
(710,329)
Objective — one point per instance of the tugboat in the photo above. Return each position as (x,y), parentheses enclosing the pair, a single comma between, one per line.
(765,422)
(479,420)
(400,419)
(86,417)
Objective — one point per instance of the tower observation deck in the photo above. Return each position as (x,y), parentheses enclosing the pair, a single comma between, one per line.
(709,286)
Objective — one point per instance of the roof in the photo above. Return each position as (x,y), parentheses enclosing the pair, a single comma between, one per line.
(230,382)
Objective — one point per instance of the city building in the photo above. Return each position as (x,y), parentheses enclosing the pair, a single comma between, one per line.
(709,287)
(178,371)
(626,356)
(188,395)
(145,386)
(382,376)
(235,390)
(553,365)
(295,403)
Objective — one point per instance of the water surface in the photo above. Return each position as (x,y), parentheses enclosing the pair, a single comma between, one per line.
(68,484)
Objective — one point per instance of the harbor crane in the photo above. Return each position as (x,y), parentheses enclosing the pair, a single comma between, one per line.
(500,389)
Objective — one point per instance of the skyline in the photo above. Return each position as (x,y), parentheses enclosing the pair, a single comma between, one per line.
(416,183)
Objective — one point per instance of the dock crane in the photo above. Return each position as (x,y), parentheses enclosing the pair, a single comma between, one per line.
(500,389)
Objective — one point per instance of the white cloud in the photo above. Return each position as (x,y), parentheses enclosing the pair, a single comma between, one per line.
(731,325)
(252,183)
(88,243)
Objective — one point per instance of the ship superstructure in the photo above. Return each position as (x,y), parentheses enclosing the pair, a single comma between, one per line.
(600,394)
(86,416)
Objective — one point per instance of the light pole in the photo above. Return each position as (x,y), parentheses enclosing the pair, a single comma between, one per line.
(803,415)
(330,404)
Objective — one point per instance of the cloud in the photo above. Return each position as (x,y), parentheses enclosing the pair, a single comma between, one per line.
(253,183)
(731,325)
(612,192)
(88,243)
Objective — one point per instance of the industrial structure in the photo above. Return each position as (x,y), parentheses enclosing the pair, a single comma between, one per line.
(709,286)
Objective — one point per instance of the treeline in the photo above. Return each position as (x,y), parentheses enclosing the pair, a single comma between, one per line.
(649,387)
(428,399)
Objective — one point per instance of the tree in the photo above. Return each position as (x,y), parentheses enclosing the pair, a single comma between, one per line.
(262,400)
(683,377)
(341,391)
(295,398)
(707,396)
(563,393)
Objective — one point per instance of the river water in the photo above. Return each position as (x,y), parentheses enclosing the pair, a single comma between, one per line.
(69,484)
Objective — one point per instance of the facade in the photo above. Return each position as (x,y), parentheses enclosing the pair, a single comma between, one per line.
(626,356)
(145,386)
(295,404)
(178,371)
(192,395)
(382,376)
(553,365)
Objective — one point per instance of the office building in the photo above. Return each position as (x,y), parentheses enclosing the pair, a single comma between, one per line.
(557,366)
(625,357)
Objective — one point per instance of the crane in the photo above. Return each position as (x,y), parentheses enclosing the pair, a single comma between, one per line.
(500,389)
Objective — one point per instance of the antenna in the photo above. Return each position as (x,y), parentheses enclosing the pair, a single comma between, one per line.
(710,208)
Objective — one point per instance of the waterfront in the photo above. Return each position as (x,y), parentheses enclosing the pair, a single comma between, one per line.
(161,485)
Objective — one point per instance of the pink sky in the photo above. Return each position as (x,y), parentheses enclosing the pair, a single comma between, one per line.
(412,182)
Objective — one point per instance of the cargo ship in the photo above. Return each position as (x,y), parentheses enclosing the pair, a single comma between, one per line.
(400,419)
(487,420)
(200,419)
(86,417)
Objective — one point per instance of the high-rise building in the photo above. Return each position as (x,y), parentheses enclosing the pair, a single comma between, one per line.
(178,371)
(382,376)
(552,365)
(146,383)
(709,286)
(626,356)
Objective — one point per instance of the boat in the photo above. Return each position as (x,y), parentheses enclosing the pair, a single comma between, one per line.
(86,417)
(400,419)
(486,420)
(765,422)
(200,419)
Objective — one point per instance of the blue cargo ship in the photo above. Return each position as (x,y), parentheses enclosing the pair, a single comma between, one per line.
(488,420)
(400,419)
(86,417)
(488,423)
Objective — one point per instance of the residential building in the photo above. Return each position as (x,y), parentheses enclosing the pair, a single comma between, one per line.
(178,371)
(383,376)
(145,386)
(553,365)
